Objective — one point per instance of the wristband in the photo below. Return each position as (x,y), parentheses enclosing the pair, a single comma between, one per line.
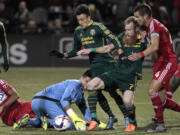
(141,54)
(70,112)
(93,49)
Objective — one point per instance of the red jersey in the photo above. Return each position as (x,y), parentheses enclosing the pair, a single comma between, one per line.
(4,88)
(165,51)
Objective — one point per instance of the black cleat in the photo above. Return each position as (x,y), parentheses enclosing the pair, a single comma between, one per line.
(159,127)
(154,120)
(112,120)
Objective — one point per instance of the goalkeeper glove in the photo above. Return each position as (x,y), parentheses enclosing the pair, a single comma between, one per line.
(5,65)
(56,53)
(79,123)
(124,60)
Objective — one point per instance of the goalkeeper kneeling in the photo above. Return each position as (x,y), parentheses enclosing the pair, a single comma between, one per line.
(56,100)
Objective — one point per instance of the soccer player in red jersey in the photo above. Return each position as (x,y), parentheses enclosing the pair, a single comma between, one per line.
(11,108)
(164,66)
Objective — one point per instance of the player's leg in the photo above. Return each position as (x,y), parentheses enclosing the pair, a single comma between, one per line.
(161,76)
(38,106)
(94,84)
(174,83)
(53,109)
(105,106)
(128,99)
(27,116)
(119,101)
(154,88)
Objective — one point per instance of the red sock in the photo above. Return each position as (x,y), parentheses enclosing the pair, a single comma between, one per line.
(171,104)
(158,107)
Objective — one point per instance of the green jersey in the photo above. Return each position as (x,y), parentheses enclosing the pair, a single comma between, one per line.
(3,42)
(93,36)
(136,66)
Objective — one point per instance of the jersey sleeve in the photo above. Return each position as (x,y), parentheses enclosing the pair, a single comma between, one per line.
(84,109)
(76,46)
(66,97)
(120,38)
(5,86)
(108,34)
(154,29)
(3,42)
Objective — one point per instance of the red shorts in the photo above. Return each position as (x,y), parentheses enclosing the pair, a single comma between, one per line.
(177,73)
(164,70)
(16,111)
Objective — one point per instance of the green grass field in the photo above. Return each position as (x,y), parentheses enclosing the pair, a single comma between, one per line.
(28,81)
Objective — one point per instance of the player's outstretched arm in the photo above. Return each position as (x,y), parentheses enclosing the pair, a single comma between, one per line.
(104,49)
(13,97)
(78,122)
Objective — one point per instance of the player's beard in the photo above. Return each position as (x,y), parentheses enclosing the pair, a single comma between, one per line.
(130,40)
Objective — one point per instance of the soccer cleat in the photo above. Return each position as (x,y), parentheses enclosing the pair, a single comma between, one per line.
(154,120)
(22,122)
(126,121)
(130,127)
(159,127)
(92,125)
(112,120)
(44,123)
(102,125)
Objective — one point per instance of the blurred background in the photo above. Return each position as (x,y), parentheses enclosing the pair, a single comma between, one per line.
(34,27)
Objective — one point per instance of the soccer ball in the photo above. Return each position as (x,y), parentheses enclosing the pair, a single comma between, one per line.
(61,122)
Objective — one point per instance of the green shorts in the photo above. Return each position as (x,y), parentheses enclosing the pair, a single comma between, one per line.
(117,79)
(100,68)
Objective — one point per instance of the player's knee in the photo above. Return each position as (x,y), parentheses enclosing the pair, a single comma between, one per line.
(127,102)
(151,92)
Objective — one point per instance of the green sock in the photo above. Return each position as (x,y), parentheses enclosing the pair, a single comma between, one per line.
(104,104)
(119,102)
(132,114)
(92,101)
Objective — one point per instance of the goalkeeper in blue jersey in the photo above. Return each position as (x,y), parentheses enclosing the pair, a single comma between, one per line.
(57,99)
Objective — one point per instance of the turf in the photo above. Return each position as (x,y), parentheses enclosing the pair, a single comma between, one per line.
(28,81)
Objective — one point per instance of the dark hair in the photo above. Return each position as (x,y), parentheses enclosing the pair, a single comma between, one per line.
(142,28)
(143,10)
(82,9)
(87,73)
(133,20)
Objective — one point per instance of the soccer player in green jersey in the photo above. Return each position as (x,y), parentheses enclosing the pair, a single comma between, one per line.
(122,77)
(91,34)
(4,46)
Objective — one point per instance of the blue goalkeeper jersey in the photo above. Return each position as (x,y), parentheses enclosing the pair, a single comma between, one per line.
(68,92)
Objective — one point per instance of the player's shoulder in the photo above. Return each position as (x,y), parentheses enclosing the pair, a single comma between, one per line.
(78,28)
(73,82)
(98,24)
(121,35)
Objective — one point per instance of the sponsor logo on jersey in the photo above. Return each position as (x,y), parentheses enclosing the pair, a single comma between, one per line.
(92,32)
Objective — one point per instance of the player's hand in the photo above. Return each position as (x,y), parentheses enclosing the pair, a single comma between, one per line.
(124,60)
(5,66)
(134,56)
(79,124)
(56,53)
(83,52)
